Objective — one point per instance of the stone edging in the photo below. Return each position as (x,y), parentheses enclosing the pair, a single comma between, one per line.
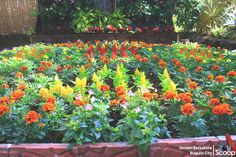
(163,148)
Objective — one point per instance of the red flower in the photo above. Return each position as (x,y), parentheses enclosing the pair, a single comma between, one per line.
(169,95)
(79,102)
(210,76)
(32,117)
(188,109)
(144,59)
(208,93)
(114,102)
(104,88)
(155,57)
(68,58)
(147,96)
(17,94)
(42,68)
(198,69)
(185,97)
(51,100)
(182,69)
(138,57)
(68,67)
(222,109)
(59,68)
(4,109)
(23,68)
(162,63)
(48,107)
(220,79)
(214,101)
(231,73)
(193,85)
(215,67)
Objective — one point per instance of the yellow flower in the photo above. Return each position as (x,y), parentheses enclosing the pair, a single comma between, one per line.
(95,78)
(105,67)
(44,92)
(82,69)
(65,52)
(66,91)
(137,72)
(172,87)
(98,85)
(143,80)
(81,83)
(166,74)
(118,72)
(150,49)
(228,60)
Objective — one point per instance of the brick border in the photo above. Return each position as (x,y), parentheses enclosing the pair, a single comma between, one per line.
(163,148)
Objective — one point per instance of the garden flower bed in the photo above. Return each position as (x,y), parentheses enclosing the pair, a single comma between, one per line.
(131,92)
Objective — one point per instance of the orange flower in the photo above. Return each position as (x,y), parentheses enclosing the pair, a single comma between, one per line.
(185,97)
(231,73)
(188,109)
(41,124)
(234,91)
(162,63)
(198,69)
(178,63)
(42,68)
(32,117)
(182,69)
(121,93)
(138,57)
(208,93)
(4,109)
(220,78)
(144,59)
(214,101)
(88,65)
(68,67)
(48,107)
(222,109)
(147,96)
(68,58)
(114,102)
(86,55)
(23,68)
(215,67)
(22,86)
(198,59)
(47,64)
(193,85)
(169,95)
(210,76)
(155,57)
(19,74)
(5,100)
(120,88)
(104,88)
(59,68)
(51,100)
(79,102)
(17,94)
(5,85)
